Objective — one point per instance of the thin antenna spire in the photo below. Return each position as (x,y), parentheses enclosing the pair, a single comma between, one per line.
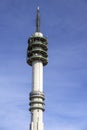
(38,20)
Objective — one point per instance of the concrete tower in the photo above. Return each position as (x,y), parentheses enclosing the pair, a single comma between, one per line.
(37,58)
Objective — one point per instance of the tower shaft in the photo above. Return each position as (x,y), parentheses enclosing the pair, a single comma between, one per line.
(37,76)
(37,90)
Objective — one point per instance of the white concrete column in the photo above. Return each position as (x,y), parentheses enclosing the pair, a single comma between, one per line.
(37,85)
(37,76)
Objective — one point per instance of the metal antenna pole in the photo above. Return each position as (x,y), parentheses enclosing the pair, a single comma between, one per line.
(38,20)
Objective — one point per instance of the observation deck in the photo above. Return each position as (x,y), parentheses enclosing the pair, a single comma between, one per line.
(37,50)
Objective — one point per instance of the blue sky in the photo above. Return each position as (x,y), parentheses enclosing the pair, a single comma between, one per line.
(64,22)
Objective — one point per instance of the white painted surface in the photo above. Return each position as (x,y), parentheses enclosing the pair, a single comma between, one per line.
(37,76)
(37,85)
(38,34)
